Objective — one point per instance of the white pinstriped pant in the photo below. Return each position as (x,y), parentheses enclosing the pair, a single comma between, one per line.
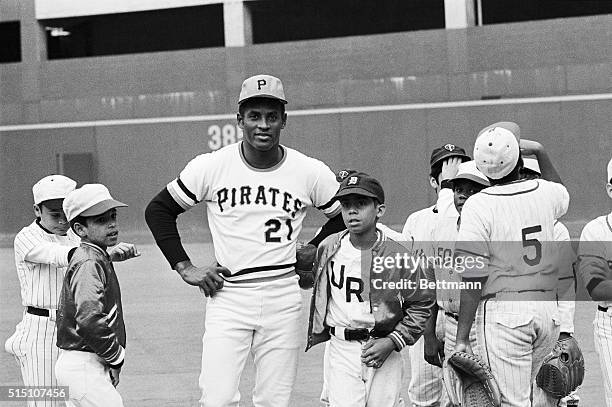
(33,345)
(426,387)
(602,332)
(515,337)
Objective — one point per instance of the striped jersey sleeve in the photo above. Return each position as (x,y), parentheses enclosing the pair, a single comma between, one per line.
(593,254)
(325,187)
(191,186)
(558,195)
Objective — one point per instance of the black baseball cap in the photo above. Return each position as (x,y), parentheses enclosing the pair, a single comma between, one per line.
(446,151)
(360,183)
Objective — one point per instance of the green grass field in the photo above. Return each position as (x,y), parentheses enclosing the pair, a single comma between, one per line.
(165,321)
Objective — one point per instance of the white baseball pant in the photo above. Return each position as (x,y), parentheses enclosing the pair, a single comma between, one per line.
(515,337)
(262,318)
(350,383)
(450,339)
(602,332)
(426,387)
(33,345)
(88,380)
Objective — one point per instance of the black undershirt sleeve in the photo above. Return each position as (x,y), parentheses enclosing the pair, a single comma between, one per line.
(333,225)
(160,215)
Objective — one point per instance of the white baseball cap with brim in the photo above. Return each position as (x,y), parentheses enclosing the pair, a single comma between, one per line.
(468,170)
(610,171)
(496,150)
(262,86)
(532,165)
(52,187)
(89,200)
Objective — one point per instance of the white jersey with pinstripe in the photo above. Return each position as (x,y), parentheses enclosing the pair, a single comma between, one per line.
(425,387)
(502,225)
(257,213)
(596,245)
(41,258)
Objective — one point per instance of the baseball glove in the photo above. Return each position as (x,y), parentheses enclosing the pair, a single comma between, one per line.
(563,370)
(305,257)
(469,381)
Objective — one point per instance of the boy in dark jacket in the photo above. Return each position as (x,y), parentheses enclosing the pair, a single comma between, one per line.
(367,302)
(90,328)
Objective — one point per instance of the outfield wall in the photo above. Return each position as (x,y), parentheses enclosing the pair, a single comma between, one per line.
(184,101)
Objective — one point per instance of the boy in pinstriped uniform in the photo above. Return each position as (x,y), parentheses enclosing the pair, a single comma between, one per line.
(509,228)
(426,388)
(41,256)
(595,256)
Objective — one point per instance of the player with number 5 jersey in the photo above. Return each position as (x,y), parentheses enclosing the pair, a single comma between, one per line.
(256,193)
(510,227)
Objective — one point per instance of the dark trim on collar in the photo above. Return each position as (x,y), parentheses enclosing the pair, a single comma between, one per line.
(484,191)
(274,167)
(42,227)
(608,221)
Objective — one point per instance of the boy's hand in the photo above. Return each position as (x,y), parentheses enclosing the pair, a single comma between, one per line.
(375,351)
(450,168)
(463,347)
(433,350)
(114,375)
(123,251)
(529,147)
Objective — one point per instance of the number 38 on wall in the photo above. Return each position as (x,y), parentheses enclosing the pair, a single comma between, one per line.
(221,136)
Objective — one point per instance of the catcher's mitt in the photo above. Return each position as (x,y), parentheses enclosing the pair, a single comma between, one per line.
(563,370)
(469,381)
(305,257)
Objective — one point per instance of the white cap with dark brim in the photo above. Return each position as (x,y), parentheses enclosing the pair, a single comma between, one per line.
(468,171)
(262,86)
(89,200)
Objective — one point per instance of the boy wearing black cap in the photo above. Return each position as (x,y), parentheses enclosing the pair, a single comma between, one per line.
(365,302)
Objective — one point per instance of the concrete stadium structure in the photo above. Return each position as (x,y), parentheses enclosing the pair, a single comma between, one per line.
(376,102)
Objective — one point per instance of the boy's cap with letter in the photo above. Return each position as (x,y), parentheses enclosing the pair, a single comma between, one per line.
(89,200)
(360,183)
(52,187)
(447,151)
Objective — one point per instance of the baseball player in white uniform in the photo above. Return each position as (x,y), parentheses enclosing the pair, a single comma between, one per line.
(504,244)
(466,183)
(426,387)
(595,256)
(567,292)
(256,193)
(41,257)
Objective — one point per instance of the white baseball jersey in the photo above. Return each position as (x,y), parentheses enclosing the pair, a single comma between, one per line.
(345,268)
(41,259)
(255,215)
(425,387)
(511,227)
(596,246)
(442,249)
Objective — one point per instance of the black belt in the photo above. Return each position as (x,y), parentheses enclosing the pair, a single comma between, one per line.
(490,296)
(359,334)
(452,315)
(602,309)
(41,312)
